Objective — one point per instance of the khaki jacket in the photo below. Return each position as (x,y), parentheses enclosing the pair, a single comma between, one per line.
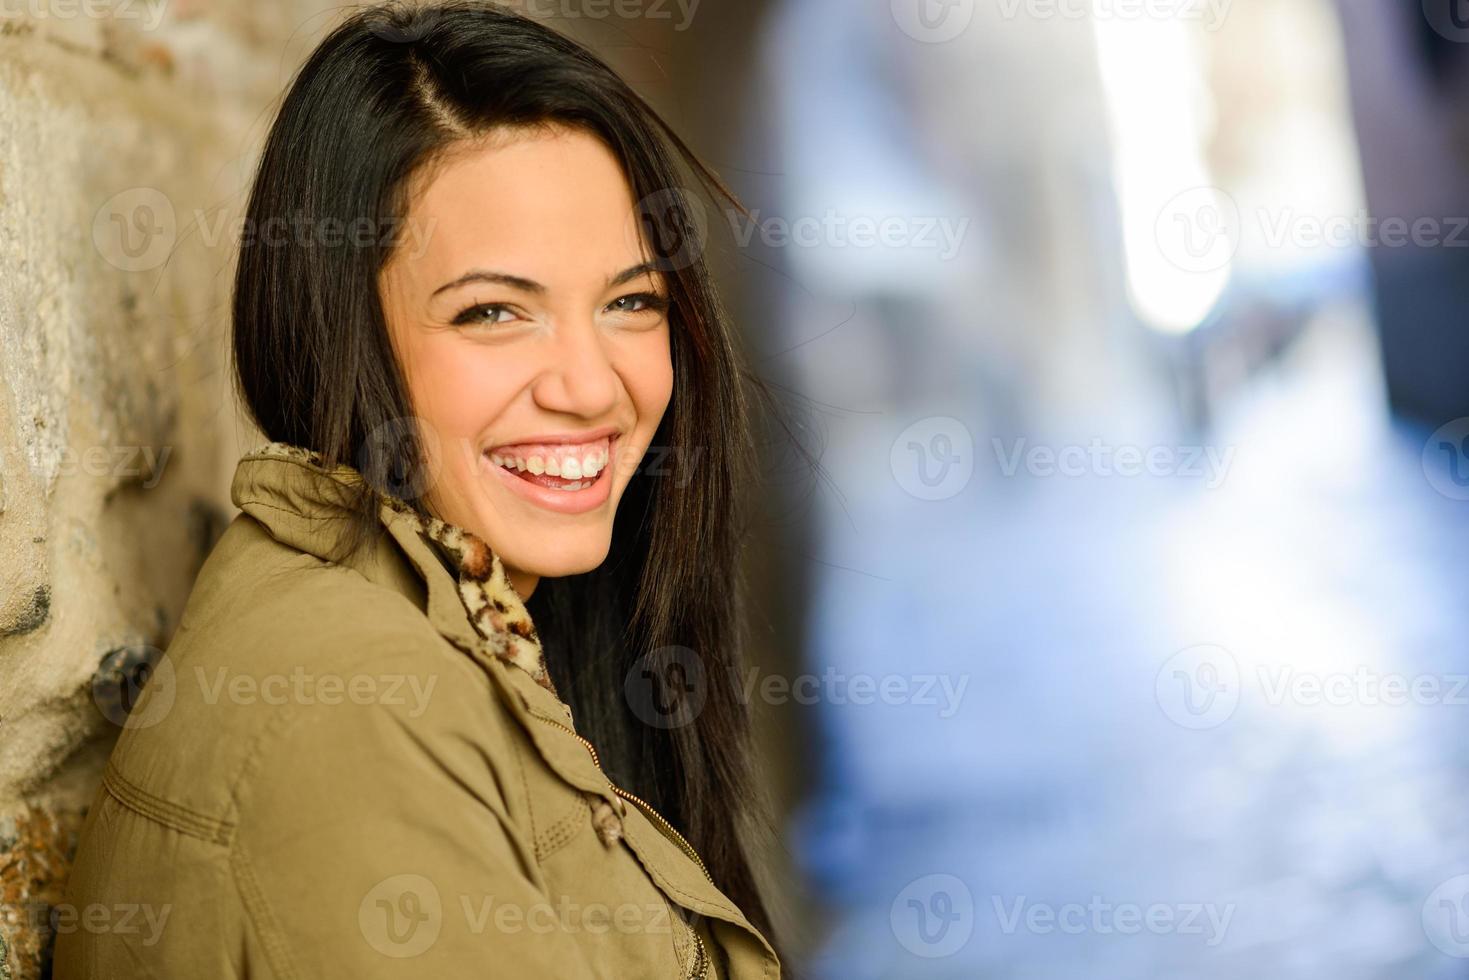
(334,772)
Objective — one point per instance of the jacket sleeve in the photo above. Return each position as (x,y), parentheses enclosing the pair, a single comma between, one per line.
(373,838)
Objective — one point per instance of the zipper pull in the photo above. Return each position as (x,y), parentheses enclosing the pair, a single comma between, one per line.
(605,820)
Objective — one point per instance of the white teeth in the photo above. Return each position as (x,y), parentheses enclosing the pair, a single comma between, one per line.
(580,469)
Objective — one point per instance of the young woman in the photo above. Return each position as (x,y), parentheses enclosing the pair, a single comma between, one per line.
(455,693)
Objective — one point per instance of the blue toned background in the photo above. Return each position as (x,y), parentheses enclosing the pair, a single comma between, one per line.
(1121,632)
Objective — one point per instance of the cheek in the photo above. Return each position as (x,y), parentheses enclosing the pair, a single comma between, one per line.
(456,388)
(647,373)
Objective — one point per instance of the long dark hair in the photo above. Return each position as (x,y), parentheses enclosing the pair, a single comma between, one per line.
(382,96)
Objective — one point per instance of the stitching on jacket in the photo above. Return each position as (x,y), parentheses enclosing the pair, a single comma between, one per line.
(689,900)
(530,808)
(564,830)
(166,812)
(658,876)
(251,759)
(680,893)
(661,880)
(682,937)
(252,896)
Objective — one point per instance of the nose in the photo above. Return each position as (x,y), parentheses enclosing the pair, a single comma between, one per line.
(580,378)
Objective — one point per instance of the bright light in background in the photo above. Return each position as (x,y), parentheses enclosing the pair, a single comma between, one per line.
(1178,231)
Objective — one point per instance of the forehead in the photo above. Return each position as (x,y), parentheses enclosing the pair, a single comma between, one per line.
(551,204)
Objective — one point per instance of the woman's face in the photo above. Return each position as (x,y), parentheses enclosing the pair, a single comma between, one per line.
(534,339)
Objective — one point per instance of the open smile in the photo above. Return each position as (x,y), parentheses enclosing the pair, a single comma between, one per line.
(569,475)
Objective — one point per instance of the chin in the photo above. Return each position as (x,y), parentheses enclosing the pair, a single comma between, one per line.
(571,558)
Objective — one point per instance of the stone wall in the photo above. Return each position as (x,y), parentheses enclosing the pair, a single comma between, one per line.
(130,130)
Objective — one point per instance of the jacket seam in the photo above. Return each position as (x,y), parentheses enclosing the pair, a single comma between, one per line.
(252,897)
(530,809)
(688,901)
(258,502)
(252,894)
(725,907)
(165,812)
(683,941)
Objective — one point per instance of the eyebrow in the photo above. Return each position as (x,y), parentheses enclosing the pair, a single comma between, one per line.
(531,286)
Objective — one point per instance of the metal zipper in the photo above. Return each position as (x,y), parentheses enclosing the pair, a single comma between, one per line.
(701,955)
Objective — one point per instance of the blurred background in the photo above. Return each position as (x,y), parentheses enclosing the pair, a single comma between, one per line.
(1129,599)
(1119,630)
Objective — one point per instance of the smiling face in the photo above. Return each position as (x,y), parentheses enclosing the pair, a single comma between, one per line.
(534,338)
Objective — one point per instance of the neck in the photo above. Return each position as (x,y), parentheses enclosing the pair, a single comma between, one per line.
(524,582)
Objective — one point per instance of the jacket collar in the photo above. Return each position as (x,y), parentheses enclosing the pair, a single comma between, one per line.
(466,594)
(471,603)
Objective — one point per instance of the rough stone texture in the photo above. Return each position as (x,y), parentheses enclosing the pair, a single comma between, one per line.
(130,130)
(36,844)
